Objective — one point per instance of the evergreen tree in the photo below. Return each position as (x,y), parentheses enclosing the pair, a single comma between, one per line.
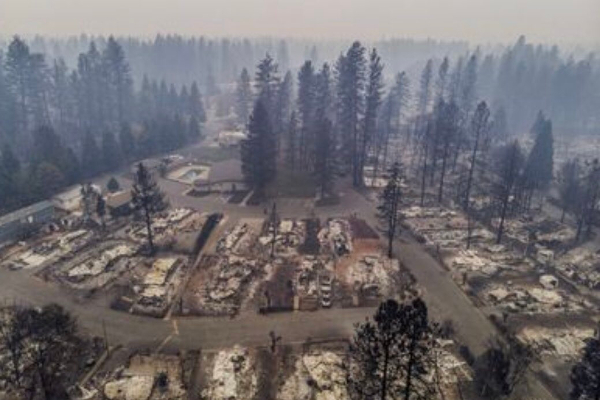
(193,132)
(48,180)
(510,165)
(306,110)
(243,98)
(292,143)
(196,107)
(113,185)
(585,375)
(127,141)
(91,156)
(10,163)
(258,151)
(350,87)
(442,80)
(569,187)
(388,210)
(373,103)
(389,357)
(325,158)
(539,167)
(111,155)
(120,84)
(18,78)
(266,84)
(147,200)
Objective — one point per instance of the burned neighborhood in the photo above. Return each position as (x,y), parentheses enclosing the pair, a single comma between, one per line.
(256,200)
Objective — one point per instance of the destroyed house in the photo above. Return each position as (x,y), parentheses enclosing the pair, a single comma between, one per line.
(25,220)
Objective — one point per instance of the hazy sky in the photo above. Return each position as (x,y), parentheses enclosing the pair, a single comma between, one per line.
(563,21)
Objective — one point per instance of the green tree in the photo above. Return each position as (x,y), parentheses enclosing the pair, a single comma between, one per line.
(569,186)
(147,199)
(258,151)
(120,84)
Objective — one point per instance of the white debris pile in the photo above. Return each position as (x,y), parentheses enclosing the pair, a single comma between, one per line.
(534,300)
(472,261)
(169,225)
(159,285)
(306,276)
(450,369)
(317,376)
(582,266)
(337,235)
(241,238)
(141,379)
(564,342)
(373,274)
(49,251)
(98,264)
(233,376)
(130,388)
(290,235)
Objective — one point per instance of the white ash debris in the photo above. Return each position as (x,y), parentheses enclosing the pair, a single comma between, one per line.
(96,265)
(373,273)
(241,238)
(139,380)
(317,376)
(290,234)
(337,235)
(582,266)
(130,388)
(233,376)
(529,299)
(563,342)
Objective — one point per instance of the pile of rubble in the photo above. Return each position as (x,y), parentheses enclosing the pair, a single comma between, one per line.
(563,342)
(289,236)
(233,376)
(166,227)
(241,239)
(159,286)
(220,287)
(337,236)
(98,266)
(50,250)
(157,377)
(442,227)
(582,266)
(318,376)
(533,299)
(373,275)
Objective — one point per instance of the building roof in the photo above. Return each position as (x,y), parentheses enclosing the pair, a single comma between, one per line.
(118,199)
(25,212)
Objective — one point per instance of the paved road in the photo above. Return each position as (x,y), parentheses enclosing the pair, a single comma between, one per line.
(445,300)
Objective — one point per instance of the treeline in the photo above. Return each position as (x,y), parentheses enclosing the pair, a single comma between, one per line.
(182,60)
(343,119)
(526,78)
(60,126)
